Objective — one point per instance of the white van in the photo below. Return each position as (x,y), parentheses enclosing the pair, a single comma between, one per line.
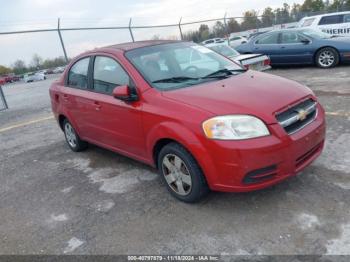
(334,23)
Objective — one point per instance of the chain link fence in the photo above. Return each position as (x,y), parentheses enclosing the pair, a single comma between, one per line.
(180,29)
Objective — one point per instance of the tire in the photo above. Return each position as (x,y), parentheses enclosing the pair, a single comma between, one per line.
(178,167)
(327,57)
(72,138)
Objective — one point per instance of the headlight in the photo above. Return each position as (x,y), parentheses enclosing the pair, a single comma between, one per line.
(234,127)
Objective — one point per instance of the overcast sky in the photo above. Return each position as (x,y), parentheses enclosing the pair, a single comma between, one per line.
(39,14)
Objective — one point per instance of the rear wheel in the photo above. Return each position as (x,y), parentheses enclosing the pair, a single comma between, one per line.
(72,138)
(327,57)
(181,173)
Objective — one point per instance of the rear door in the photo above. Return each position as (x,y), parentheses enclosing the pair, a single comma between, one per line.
(116,124)
(76,96)
(296,48)
(268,44)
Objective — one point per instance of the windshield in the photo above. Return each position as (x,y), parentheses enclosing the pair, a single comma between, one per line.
(316,34)
(178,65)
(224,50)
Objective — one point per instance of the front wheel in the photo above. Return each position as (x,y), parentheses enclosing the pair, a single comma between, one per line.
(72,138)
(327,57)
(181,173)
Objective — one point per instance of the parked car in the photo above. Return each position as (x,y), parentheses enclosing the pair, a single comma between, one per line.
(58,70)
(204,125)
(10,78)
(235,41)
(31,77)
(334,23)
(49,72)
(300,46)
(2,81)
(213,40)
(257,62)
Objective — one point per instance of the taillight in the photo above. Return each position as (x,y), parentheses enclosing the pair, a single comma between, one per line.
(267,62)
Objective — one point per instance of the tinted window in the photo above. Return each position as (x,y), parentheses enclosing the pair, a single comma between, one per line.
(347,18)
(77,76)
(269,39)
(108,74)
(332,19)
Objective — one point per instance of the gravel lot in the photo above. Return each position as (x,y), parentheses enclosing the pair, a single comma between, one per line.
(54,201)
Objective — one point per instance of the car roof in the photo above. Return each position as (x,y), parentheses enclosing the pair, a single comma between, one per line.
(138,44)
(322,15)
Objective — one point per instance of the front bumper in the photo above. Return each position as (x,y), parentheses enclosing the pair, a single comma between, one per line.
(269,159)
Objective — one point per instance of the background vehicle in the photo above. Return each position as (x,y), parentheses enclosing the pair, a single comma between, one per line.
(58,70)
(10,78)
(235,41)
(31,77)
(249,61)
(334,23)
(300,46)
(2,81)
(213,40)
(207,124)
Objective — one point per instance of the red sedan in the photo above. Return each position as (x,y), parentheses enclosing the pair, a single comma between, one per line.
(201,119)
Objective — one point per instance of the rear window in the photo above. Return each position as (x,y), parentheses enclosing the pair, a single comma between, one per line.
(332,19)
(308,22)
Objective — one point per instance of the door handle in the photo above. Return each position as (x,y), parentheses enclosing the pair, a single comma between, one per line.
(97,105)
(283,47)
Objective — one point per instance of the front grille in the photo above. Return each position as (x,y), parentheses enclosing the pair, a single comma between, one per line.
(298,116)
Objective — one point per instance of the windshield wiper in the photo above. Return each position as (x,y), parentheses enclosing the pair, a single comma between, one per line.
(176,79)
(223,73)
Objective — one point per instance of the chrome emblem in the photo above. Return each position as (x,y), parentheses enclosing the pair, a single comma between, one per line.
(302,114)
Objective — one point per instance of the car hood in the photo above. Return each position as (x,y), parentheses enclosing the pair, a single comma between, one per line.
(252,93)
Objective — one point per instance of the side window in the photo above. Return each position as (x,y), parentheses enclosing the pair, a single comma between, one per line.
(77,76)
(108,74)
(290,38)
(347,18)
(332,19)
(267,40)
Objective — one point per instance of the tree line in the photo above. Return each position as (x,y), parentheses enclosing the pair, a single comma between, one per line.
(252,19)
(19,67)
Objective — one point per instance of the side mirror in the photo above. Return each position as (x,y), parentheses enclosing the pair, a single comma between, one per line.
(305,41)
(123,93)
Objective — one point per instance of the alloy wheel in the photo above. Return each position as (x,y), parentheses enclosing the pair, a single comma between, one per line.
(326,58)
(176,174)
(70,135)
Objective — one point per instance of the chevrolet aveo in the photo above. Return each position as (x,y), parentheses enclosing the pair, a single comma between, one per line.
(201,119)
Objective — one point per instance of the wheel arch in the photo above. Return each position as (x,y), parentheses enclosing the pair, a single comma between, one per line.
(61,119)
(169,132)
